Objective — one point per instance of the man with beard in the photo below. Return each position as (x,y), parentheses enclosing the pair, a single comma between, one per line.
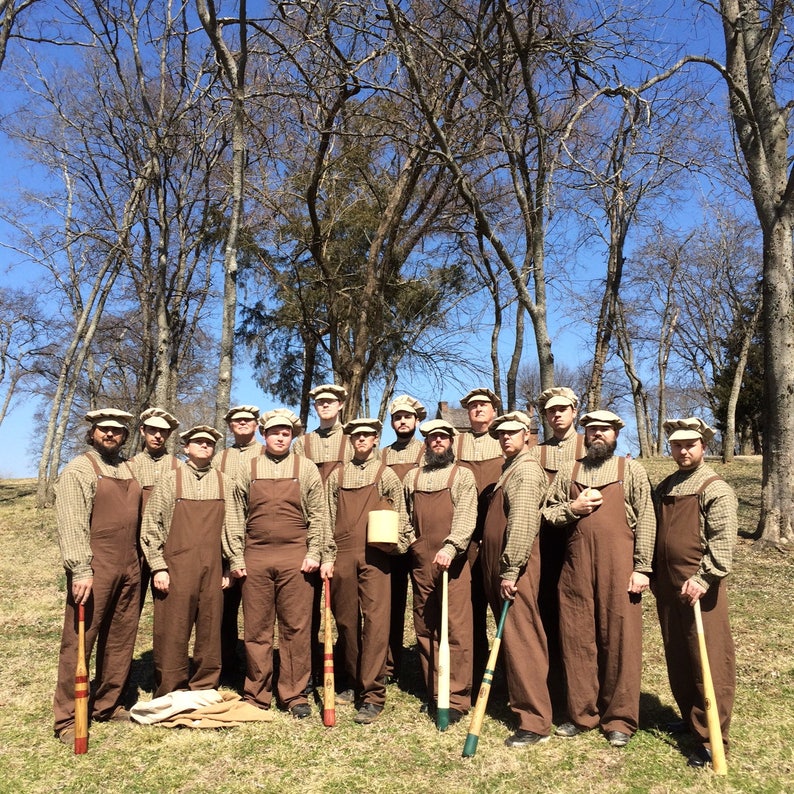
(401,457)
(694,552)
(441,499)
(97,507)
(482,455)
(511,571)
(360,588)
(151,463)
(558,407)
(604,502)
(241,421)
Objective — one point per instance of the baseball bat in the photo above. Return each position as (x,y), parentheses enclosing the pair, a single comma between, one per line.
(81,688)
(329,697)
(473,737)
(442,712)
(718,762)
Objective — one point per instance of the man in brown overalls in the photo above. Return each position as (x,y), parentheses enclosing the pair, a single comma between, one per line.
(242,422)
(482,455)
(511,571)
(604,502)
(360,588)
(696,511)
(441,499)
(404,455)
(287,541)
(192,513)
(97,506)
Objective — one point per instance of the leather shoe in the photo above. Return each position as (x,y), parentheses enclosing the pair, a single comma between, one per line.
(455,716)
(568,730)
(346,697)
(66,735)
(618,738)
(701,757)
(523,738)
(367,714)
(676,726)
(300,711)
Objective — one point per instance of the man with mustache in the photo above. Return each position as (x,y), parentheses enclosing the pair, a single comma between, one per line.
(604,502)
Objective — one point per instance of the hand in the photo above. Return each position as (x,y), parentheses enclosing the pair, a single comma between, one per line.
(82,590)
(692,591)
(442,560)
(638,583)
(161,581)
(309,565)
(584,505)
(508,590)
(225,580)
(240,573)
(327,570)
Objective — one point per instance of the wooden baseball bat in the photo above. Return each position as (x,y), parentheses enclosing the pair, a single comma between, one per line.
(81,688)
(473,737)
(718,762)
(442,712)
(329,696)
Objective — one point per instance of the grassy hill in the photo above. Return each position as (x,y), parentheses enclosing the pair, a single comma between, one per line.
(402,751)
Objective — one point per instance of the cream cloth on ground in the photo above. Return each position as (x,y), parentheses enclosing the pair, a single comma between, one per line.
(197,709)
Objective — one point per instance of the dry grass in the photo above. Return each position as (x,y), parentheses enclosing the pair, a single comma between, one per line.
(402,751)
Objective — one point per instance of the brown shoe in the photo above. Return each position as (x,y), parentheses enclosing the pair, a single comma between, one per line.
(66,735)
(120,714)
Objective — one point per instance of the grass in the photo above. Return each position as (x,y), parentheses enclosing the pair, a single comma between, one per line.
(402,751)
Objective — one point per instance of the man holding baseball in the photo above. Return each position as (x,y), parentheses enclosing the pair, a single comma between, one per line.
(441,499)
(696,512)
(511,571)
(98,507)
(604,502)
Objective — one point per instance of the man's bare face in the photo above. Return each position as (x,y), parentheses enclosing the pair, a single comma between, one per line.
(327,409)
(107,440)
(154,439)
(404,423)
(363,442)
(560,419)
(200,451)
(688,453)
(243,429)
(481,414)
(278,439)
(600,442)
(512,441)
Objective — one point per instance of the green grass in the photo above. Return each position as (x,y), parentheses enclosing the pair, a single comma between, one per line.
(402,751)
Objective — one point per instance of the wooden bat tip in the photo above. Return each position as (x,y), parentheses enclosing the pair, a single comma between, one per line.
(329,719)
(80,745)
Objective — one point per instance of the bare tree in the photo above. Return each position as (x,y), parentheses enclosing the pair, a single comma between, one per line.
(11,13)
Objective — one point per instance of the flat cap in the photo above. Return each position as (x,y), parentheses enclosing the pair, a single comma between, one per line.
(557,395)
(483,395)
(108,417)
(281,417)
(242,412)
(328,391)
(157,417)
(362,425)
(688,430)
(198,432)
(602,419)
(514,420)
(409,404)
(437,426)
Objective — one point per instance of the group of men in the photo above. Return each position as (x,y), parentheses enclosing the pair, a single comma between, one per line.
(567,532)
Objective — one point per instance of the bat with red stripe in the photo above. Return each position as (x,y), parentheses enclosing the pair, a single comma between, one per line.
(329,697)
(442,713)
(473,737)
(81,688)
(718,762)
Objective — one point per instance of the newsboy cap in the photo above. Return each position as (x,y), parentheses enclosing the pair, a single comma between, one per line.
(198,432)
(157,417)
(108,417)
(437,426)
(409,404)
(242,412)
(328,391)
(483,395)
(281,417)
(688,430)
(362,425)
(602,419)
(514,420)
(557,395)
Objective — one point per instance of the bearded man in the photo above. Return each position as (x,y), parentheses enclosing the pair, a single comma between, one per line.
(604,502)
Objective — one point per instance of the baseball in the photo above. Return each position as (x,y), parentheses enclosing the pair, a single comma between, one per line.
(591,493)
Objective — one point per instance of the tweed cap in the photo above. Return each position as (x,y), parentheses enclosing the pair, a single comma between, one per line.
(688,430)
(514,420)
(483,395)
(242,412)
(157,417)
(108,417)
(409,404)
(437,426)
(557,395)
(602,419)
(328,391)
(363,425)
(198,432)
(281,417)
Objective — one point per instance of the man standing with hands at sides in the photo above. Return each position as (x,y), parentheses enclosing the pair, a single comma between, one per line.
(150,464)
(287,541)
(97,506)
(511,572)
(189,520)
(482,455)
(605,502)
(696,510)
(558,407)
(241,421)
(404,455)
(361,587)
(441,499)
